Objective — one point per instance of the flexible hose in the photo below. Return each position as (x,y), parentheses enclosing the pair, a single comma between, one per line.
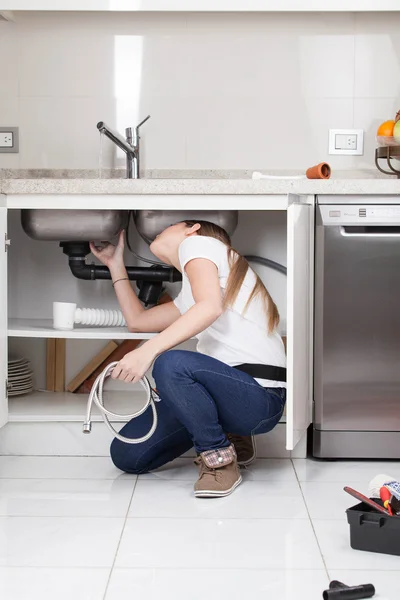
(145,260)
(96,396)
(267,262)
(100,317)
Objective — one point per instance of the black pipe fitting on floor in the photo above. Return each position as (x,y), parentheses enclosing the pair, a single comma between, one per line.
(149,279)
(340,591)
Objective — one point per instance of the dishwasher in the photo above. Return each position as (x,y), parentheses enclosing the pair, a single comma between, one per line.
(357,328)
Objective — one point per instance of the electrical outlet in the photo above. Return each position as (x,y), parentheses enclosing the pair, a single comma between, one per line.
(346,141)
(9,141)
(6,139)
(351,142)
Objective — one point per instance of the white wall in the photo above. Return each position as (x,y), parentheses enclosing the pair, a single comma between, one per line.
(224,90)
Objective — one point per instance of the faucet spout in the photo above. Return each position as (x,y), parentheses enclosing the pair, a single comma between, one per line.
(130,146)
(115,137)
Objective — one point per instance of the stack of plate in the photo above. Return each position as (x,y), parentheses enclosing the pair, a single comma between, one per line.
(20,376)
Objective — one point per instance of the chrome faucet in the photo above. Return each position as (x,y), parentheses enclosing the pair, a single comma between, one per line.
(130,146)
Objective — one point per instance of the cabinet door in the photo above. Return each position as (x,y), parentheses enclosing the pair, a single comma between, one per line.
(3,317)
(300,244)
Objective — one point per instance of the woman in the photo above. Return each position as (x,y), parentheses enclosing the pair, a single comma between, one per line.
(232,388)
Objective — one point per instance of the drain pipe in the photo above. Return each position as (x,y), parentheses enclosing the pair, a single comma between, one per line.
(149,279)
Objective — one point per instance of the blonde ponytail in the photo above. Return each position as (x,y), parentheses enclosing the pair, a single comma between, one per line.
(238,270)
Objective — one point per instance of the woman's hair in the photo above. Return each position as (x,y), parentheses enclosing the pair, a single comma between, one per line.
(238,270)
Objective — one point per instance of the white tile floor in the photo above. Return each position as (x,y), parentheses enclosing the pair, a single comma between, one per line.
(78,528)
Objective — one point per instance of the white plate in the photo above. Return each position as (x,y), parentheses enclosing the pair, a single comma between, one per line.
(20,392)
(17,361)
(13,386)
(19,382)
(26,373)
(20,376)
(19,367)
(21,372)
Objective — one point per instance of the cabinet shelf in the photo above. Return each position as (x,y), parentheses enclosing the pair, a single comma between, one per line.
(43,406)
(42,328)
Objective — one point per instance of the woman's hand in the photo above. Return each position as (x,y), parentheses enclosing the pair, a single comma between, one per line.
(134,365)
(110,255)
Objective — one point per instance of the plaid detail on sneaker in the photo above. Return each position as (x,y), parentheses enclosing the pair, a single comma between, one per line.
(219,457)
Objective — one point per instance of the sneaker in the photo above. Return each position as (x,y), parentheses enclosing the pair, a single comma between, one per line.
(245,448)
(219,473)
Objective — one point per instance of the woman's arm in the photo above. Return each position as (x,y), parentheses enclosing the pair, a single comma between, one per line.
(137,318)
(204,281)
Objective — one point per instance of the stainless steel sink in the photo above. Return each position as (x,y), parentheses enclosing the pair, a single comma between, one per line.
(73,225)
(85,225)
(149,223)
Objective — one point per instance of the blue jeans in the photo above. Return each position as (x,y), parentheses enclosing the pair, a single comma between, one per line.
(201,399)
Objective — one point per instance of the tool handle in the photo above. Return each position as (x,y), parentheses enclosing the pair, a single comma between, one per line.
(366,500)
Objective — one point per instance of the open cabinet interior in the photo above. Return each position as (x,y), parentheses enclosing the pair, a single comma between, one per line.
(38,275)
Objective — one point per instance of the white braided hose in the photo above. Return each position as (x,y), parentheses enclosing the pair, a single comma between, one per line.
(96,396)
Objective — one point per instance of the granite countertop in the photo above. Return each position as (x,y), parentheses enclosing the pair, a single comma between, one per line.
(158,182)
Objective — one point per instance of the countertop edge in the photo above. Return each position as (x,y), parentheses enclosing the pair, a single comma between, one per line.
(11,187)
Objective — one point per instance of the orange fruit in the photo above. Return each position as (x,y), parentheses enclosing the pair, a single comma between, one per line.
(386,129)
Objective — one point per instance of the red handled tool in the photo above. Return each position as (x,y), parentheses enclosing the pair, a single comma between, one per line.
(366,500)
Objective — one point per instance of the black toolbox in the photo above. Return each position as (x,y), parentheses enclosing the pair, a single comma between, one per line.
(373,531)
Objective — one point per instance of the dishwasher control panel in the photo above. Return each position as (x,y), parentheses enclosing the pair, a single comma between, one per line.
(351,214)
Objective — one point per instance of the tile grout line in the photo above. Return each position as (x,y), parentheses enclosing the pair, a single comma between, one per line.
(119,541)
(311,522)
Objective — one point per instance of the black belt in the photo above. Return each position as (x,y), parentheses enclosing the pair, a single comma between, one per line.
(263,371)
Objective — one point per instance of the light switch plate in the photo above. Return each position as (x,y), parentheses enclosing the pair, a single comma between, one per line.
(346,141)
(9,139)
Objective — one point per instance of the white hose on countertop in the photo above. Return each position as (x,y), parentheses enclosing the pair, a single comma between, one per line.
(259,175)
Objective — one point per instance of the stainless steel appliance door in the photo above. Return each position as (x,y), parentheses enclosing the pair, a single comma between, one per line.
(357,328)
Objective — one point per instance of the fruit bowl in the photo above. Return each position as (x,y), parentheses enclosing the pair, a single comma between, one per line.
(391,157)
(386,140)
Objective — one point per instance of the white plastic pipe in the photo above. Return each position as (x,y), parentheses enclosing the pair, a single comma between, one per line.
(65,314)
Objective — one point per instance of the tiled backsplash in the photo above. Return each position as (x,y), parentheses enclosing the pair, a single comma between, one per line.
(225,91)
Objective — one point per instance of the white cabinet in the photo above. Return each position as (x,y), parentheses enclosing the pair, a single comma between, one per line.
(3,315)
(299,320)
(39,274)
(204,5)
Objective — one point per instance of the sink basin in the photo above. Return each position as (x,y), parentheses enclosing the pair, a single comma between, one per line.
(149,223)
(85,225)
(73,225)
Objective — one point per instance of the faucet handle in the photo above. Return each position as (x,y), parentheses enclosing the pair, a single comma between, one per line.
(132,136)
(128,135)
(142,123)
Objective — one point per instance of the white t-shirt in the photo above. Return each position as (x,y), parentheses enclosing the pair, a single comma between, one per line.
(236,337)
